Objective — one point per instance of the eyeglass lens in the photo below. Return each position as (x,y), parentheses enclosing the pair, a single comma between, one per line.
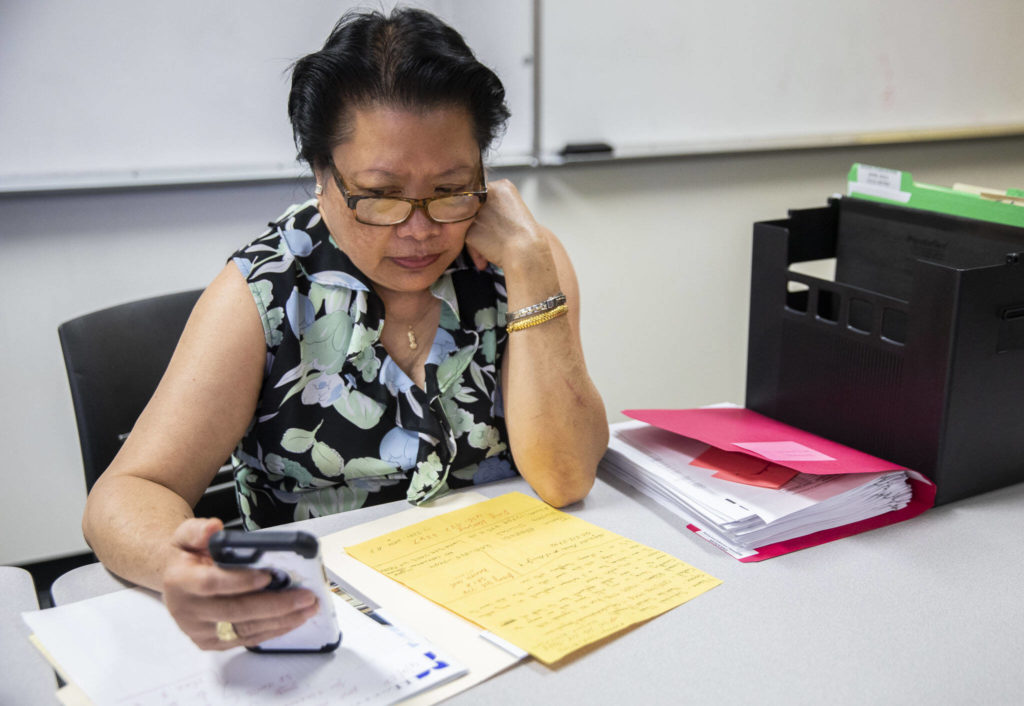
(385,211)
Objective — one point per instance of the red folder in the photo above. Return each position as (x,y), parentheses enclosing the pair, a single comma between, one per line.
(742,430)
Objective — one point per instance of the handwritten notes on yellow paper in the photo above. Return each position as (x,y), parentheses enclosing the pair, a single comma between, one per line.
(544,580)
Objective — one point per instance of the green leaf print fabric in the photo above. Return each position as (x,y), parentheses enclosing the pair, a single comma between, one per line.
(338,424)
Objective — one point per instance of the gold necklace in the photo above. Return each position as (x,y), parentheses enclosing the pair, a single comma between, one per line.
(412,339)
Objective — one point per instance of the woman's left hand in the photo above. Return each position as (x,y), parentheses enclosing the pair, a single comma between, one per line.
(504,228)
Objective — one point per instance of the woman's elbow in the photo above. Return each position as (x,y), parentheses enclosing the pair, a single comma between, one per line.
(570,485)
(564,498)
(89,517)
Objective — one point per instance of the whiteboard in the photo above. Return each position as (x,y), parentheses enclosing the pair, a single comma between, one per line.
(691,76)
(123,93)
(126,93)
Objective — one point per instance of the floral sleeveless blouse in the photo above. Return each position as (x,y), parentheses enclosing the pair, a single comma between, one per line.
(338,424)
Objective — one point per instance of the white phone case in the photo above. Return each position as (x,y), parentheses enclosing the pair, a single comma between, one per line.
(293,560)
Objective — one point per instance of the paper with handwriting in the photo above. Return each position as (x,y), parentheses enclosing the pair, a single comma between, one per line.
(542,579)
(477,650)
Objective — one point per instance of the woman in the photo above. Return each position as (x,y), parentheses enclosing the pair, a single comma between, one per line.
(410,330)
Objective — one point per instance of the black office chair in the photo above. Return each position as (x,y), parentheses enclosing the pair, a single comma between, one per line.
(115,359)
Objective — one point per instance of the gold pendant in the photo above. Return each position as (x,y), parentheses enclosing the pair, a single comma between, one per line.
(412,339)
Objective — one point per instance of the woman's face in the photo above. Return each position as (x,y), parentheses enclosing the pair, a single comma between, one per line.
(395,152)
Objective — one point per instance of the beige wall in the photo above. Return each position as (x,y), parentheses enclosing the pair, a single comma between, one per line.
(661,247)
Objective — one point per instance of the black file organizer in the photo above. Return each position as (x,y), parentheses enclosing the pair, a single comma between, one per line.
(914,354)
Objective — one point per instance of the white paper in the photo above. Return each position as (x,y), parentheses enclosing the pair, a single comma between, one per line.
(124,648)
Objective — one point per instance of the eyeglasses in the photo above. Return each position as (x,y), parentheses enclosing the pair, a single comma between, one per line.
(393,210)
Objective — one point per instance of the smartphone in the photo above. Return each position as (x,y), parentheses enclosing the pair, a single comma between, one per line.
(293,561)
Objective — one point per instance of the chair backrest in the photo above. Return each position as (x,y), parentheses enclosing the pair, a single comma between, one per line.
(114,360)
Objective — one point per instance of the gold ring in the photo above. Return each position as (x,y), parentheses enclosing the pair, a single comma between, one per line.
(226,631)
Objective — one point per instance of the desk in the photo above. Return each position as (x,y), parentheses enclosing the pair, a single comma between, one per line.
(27,678)
(923,612)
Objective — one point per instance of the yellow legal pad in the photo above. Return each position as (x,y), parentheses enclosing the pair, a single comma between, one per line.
(544,580)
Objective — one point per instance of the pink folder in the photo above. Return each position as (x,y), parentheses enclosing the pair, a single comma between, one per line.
(744,431)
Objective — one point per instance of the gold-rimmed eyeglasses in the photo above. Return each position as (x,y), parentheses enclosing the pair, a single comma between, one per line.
(394,210)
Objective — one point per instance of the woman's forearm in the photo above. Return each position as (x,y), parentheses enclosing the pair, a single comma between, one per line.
(557,424)
(557,428)
(129,522)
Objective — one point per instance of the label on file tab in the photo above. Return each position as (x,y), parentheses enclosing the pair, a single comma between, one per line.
(879,182)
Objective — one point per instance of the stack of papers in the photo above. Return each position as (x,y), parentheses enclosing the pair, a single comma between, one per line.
(741,517)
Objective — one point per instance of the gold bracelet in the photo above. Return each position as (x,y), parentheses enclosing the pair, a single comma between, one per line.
(538,319)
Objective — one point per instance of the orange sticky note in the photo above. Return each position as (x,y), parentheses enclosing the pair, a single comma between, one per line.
(715,459)
(772,476)
(741,468)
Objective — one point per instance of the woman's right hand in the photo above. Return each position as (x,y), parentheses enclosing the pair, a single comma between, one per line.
(199,594)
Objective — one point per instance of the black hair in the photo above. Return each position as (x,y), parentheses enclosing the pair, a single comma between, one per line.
(408,59)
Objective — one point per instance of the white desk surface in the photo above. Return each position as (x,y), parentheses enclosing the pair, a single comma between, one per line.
(27,678)
(923,612)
